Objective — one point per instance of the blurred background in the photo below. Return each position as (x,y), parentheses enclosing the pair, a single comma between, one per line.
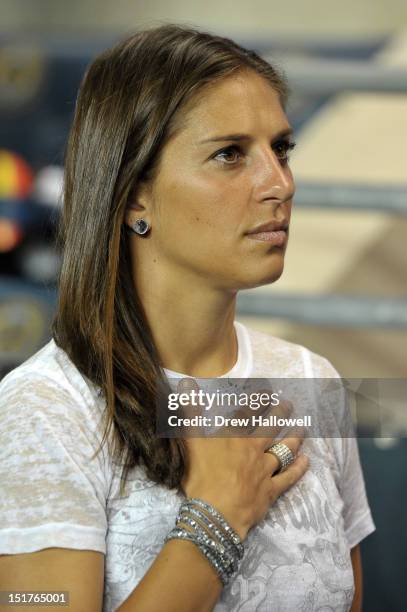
(343,293)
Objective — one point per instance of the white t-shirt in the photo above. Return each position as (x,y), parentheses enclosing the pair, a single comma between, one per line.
(53,495)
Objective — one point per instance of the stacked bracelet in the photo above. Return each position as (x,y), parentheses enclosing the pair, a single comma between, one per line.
(215,538)
(217,515)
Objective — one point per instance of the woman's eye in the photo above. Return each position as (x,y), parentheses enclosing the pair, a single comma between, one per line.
(229,155)
(226,152)
(283,148)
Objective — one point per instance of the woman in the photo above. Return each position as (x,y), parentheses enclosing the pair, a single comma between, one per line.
(177,194)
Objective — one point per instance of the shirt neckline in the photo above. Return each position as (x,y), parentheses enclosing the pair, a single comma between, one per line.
(244,363)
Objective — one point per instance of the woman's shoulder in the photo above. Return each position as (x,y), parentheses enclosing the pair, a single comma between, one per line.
(49,413)
(48,381)
(278,356)
(50,468)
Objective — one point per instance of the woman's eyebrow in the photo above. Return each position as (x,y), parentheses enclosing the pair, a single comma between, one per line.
(238,137)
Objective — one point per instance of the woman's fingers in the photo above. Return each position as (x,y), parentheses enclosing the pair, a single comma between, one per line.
(189,409)
(272,463)
(237,474)
(268,432)
(255,424)
(240,422)
(285,480)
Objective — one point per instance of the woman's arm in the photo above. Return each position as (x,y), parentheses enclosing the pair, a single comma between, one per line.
(357,572)
(79,572)
(236,475)
(179,580)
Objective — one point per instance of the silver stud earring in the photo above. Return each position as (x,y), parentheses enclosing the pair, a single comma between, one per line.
(140,227)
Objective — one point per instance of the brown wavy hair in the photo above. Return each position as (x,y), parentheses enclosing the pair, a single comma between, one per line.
(132,100)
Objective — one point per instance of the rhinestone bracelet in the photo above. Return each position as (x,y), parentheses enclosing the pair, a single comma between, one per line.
(221,520)
(183,534)
(221,546)
(212,528)
(228,559)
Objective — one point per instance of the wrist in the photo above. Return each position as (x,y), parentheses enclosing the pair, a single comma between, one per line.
(202,523)
(232,515)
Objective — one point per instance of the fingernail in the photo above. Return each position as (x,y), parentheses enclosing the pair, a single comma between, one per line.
(187,384)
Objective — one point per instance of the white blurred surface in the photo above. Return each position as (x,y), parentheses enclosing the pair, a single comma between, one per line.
(234,16)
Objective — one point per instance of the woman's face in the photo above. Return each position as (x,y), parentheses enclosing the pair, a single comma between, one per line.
(209,194)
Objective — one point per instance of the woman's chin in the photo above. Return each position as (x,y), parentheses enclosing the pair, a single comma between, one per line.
(263,277)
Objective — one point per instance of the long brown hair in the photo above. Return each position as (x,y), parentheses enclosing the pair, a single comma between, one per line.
(131,101)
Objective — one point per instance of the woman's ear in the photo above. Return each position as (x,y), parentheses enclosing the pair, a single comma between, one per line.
(139,206)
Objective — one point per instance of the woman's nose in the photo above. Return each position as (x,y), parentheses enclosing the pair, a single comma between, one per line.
(273,179)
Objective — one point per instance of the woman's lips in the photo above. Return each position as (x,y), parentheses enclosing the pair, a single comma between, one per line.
(277,238)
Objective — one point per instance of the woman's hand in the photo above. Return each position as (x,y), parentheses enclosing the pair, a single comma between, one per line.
(235,474)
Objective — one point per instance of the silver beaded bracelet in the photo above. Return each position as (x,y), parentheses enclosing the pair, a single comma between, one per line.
(218,542)
(217,515)
(226,543)
(183,534)
(227,558)
(225,531)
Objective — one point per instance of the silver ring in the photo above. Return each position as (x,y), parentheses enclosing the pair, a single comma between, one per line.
(283,453)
